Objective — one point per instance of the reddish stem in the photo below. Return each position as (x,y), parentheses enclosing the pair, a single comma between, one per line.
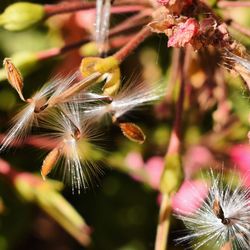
(238,27)
(226,4)
(67,7)
(133,44)
(173,148)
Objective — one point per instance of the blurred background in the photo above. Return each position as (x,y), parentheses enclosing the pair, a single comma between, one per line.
(121,207)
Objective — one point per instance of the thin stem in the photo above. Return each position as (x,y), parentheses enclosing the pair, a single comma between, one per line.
(238,27)
(46,54)
(163,223)
(226,4)
(173,148)
(133,44)
(68,7)
(138,19)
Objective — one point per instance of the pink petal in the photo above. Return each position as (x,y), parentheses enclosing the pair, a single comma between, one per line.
(184,33)
(190,197)
(154,168)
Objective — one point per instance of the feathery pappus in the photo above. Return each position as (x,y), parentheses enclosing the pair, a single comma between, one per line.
(103,8)
(130,96)
(223,218)
(239,64)
(73,157)
(56,91)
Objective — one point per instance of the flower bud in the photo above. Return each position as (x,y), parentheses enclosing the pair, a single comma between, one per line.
(172,176)
(22,15)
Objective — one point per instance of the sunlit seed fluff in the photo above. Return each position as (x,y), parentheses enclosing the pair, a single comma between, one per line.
(103,8)
(239,64)
(223,218)
(34,108)
(130,96)
(75,135)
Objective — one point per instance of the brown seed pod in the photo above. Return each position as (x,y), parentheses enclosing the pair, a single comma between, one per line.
(14,76)
(218,211)
(50,161)
(132,132)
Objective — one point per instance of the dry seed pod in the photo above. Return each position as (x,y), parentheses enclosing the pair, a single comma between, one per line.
(14,76)
(132,132)
(50,161)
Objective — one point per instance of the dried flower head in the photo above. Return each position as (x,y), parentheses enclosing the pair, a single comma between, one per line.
(73,157)
(224,217)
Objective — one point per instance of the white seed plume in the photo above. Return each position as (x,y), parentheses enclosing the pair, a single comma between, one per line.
(130,96)
(223,218)
(75,135)
(239,64)
(33,109)
(102,23)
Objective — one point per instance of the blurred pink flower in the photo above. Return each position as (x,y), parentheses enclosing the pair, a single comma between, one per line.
(196,158)
(189,197)
(154,167)
(184,33)
(240,156)
(86,19)
(172,2)
(134,160)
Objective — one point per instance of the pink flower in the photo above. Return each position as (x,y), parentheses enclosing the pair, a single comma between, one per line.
(85,19)
(190,197)
(134,160)
(154,167)
(163,2)
(172,2)
(196,158)
(184,33)
(240,156)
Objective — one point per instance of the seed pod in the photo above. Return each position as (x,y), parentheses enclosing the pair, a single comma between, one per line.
(132,132)
(14,76)
(50,161)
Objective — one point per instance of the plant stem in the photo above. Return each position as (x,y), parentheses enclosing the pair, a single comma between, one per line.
(67,7)
(133,44)
(173,148)
(238,27)
(45,54)
(226,4)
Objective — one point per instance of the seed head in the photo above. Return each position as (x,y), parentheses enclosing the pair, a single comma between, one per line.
(223,217)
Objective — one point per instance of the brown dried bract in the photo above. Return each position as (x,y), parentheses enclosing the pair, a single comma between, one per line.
(132,132)
(14,76)
(50,161)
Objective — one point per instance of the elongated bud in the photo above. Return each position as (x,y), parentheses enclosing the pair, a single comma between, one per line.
(19,16)
(14,76)
(25,61)
(172,176)
(50,161)
(132,132)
